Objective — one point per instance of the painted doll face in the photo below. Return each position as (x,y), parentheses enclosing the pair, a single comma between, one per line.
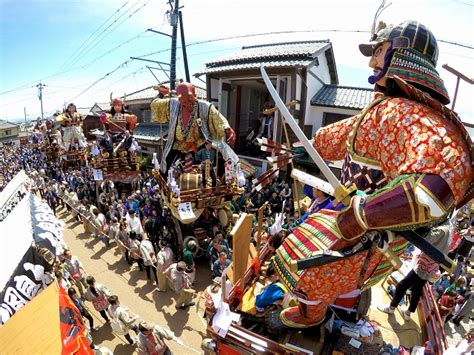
(186,95)
(377,60)
(117,106)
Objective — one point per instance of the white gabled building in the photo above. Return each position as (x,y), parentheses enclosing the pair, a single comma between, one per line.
(303,71)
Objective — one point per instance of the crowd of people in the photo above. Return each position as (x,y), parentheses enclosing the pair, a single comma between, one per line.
(454,291)
(134,220)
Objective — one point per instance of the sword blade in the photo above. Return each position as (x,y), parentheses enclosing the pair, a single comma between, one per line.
(321,164)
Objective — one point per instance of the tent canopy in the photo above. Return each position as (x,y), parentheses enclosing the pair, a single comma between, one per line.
(35,328)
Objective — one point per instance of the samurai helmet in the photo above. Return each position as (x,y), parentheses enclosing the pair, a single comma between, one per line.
(414,55)
(116,101)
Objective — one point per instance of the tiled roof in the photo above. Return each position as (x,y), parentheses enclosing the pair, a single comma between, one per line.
(84,111)
(150,131)
(99,107)
(343,97)
(272,55)
(146,93)
(248,66)
(149,94)
(6,124)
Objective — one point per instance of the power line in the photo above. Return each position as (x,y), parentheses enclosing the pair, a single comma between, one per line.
(79,55)
(28,85)
(122,78)
(100,39)
(14,90)
(252,35)
(98,80)
(97,37)
(112,50)
(286,32)
(83,43)
(463,3)
(456,44)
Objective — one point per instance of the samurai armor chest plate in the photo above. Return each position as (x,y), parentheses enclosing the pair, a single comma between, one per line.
(365,176)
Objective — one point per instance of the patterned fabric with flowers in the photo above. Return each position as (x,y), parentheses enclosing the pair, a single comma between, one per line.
(403,137)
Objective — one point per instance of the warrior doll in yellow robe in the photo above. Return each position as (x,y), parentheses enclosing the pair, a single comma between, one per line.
(191,123)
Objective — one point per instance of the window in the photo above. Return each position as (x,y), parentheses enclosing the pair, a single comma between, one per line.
(329,118)
(146,115)
(8,132)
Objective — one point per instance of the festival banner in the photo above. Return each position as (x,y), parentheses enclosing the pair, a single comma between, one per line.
(25,283)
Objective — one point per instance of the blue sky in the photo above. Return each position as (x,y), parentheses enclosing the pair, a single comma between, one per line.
(38,39)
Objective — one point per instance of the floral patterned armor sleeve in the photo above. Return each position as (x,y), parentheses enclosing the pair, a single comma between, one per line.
(413,164)
(424,161)
(409,155)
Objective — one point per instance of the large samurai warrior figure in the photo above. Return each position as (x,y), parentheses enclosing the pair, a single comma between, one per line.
(192,122)
(409,157)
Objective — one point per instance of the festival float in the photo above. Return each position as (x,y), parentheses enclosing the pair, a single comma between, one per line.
(325,276)
(114,151)
(70,147)
(188,185)
(46,136)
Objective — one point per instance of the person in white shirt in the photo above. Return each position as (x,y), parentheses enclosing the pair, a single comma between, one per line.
(148,255)
(134,223)
(100,226)
(163,260)
(180,283)
(76,271)
(286,192)
(150,339)
(122,321)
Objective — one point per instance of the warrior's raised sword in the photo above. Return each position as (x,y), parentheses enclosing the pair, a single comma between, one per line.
(342,193)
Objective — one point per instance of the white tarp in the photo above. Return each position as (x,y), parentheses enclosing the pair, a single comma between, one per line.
(13,186)
(13,193)
(22,268)
(15,237)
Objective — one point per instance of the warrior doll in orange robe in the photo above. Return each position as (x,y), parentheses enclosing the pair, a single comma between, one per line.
(409,155)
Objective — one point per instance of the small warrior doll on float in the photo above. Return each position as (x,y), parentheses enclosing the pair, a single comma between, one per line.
(118,127)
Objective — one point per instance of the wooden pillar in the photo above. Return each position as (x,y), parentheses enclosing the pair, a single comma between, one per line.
(241,243)
(238,101)
(304,95)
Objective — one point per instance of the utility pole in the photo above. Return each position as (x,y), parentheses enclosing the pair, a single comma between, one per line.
(183,46)
(40,97)
(174,17)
